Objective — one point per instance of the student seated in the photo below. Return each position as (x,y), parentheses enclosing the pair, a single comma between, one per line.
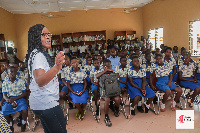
(180,60)
(65,70)
(107,68)
(14,91)
(164,81)
(87,68)
(23,72)
(94,82)
(147,66)
(188,78)
(5,73)
(122,70)
(137,87)
(176,54)
(168,60)
(76,82)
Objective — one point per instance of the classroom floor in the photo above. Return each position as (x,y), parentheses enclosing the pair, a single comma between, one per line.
(165,122)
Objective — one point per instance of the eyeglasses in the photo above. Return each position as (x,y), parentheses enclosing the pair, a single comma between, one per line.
(46,35)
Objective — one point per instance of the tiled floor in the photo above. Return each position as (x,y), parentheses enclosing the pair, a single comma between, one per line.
(165,122)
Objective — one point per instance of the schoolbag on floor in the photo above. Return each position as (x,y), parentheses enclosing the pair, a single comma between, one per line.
(109,85)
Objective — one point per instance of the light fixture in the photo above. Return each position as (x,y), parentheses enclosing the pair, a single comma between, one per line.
(76,1)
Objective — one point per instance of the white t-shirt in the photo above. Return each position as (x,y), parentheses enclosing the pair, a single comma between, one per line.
(45,97)
(81,48)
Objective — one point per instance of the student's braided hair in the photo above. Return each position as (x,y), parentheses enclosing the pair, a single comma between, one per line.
(34,42)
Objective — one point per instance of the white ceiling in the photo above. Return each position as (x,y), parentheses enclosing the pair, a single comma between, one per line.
(38,6)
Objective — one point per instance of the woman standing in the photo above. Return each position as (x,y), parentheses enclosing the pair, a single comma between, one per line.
(43,80)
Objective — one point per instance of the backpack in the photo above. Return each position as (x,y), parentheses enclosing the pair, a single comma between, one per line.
(109,85)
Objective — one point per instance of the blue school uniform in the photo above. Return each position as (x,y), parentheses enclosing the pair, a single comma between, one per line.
(122,75)
(162,75)
(93,75)
(137,79)
(187,72)
(76,80)
(172,63)
(65,71)
(87,69)
(148,71)
(13,90)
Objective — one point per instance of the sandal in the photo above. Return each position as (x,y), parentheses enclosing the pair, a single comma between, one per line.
(84,111)
(189,100)
(190,104)
(77,115)
(81,117)
(172,108)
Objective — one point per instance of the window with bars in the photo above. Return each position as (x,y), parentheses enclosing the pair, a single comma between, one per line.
(194,38)
(155,37)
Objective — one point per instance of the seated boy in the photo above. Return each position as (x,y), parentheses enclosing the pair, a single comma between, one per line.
(14,91)
(107,68)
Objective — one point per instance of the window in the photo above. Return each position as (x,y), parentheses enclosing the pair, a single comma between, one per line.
(156,37)
(9,44)
(194,38)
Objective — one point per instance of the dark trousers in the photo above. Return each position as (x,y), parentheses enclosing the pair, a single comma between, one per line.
(52,120)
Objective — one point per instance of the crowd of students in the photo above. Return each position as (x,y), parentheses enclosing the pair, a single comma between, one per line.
(135,66)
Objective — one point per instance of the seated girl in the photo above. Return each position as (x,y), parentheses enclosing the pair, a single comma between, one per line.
(76,82)
(168,60)
(188,78)
(164,81)
(14,91)
(87,68)
(147,66)
(137,86)
(65,70)
(122,70)
(94,82)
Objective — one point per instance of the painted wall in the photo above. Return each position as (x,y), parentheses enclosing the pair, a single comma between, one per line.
(174,17)
(110,20)
(7,25)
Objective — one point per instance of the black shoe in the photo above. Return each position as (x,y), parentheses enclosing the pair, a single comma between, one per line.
(155,100)
(97,111)
(70,105)
(107,121)
(12,129)
(133,112)
(140,109)
(111,106)
(146,110)
(19,121)
(178,101)
(23,127)
(116,113)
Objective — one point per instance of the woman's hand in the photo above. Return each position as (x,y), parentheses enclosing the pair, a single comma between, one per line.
(59,60)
